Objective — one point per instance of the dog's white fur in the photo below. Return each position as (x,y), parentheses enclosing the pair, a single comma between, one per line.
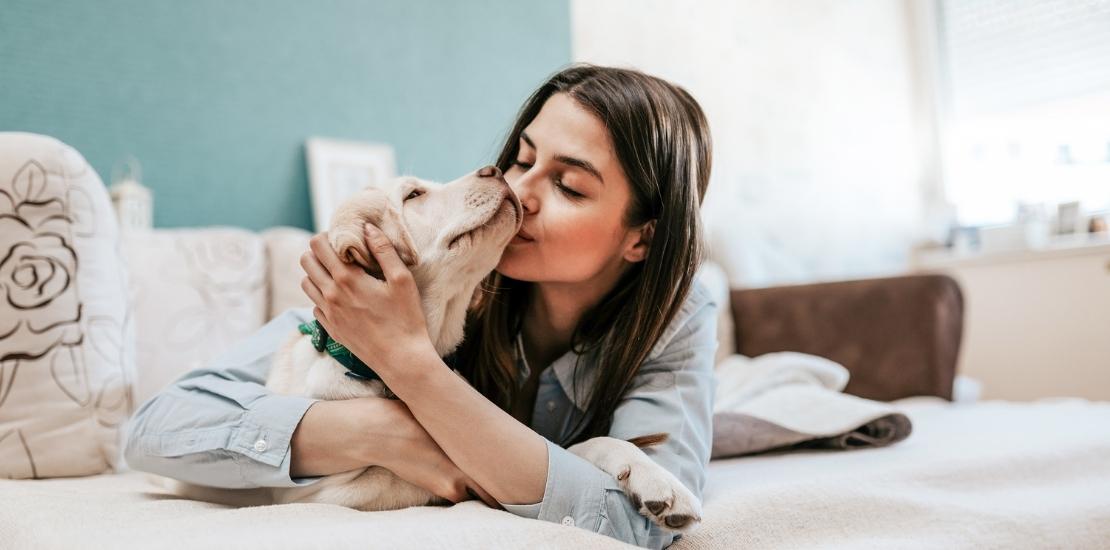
(451,239)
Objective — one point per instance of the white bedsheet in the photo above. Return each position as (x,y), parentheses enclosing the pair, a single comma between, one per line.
(992,474)
(985,475)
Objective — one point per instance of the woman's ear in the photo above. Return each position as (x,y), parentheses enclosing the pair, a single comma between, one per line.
(638,242)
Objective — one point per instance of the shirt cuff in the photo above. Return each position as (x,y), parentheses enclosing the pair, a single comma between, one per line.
(574,493)
(578,493)
(264,435)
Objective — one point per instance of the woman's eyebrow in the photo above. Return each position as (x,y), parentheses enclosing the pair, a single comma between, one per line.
(571,161)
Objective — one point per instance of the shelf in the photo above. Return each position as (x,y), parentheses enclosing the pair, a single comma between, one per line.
(1075,246)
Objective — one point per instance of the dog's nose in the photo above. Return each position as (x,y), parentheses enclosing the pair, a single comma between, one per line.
(490,171)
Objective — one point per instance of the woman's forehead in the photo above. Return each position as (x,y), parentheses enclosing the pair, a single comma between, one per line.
(565,128)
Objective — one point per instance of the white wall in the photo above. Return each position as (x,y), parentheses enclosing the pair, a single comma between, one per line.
(820,125)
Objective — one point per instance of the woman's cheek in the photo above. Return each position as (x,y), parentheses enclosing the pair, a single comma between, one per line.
(581,246)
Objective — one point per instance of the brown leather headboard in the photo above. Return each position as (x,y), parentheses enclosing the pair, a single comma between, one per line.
(897,336)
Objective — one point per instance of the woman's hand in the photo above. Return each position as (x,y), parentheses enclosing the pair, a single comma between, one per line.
(381,322)
(342,435)
(420,461)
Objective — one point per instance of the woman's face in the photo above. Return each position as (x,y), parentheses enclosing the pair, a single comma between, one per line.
(574,194)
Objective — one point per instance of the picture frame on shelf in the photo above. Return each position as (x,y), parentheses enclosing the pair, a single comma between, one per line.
(339,168)
(1068,218)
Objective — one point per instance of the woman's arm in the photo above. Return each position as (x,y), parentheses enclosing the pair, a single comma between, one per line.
(339,436)
(384,320)
(220,426)
(505,457)
(322,445)
(673,394)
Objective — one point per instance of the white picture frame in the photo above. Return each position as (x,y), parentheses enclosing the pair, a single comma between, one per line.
(1069,218)
(338,168)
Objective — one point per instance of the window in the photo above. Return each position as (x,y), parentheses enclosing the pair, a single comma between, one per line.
(1026,90)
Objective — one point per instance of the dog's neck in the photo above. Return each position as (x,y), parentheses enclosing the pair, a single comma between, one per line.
(446,324)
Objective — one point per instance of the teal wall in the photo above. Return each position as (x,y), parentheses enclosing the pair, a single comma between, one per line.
(216,98)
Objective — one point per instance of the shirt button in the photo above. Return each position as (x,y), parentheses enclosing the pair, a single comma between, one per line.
(550,406)
(261,445)
(568,521)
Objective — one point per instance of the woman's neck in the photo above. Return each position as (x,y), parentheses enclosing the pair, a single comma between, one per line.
(554,311)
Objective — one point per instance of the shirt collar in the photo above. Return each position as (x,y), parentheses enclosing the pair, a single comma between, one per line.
(578,390)
(563,368)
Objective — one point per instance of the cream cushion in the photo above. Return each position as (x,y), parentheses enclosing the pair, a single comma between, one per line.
(66,338)
(195,293)
(284,247)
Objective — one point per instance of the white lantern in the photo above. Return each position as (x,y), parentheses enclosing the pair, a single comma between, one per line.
(131,200)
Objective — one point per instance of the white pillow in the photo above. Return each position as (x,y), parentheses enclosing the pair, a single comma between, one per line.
(284,247)
(195,293)
(66,338)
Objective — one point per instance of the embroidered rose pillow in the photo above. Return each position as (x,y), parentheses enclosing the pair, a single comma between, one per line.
(66,338)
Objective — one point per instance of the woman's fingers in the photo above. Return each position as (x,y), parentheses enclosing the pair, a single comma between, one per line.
(322,319)
(325,254)
(316,272)
(313,244)
(312,291)
(393,268)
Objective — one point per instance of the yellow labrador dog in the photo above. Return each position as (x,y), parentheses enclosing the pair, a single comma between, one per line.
(451,236)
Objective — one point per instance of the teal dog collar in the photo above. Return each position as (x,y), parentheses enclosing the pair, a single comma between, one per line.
(322,342)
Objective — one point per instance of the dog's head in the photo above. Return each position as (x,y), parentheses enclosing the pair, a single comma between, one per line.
(450,235)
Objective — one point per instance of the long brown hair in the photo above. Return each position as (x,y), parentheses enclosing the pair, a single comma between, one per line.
(661,139)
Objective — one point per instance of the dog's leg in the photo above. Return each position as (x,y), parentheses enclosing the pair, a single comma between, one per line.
(658,494)
(215,495)
(370,490)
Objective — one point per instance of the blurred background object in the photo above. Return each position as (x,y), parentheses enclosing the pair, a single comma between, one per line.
(337,169)
(132,201)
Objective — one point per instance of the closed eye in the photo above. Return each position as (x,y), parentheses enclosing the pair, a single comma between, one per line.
(568,191)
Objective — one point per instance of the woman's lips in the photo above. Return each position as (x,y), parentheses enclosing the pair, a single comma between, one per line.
(521,237)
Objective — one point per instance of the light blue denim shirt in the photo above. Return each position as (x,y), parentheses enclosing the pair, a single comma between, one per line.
(220,426)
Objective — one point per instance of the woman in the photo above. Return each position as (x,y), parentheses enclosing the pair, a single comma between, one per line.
(592,324)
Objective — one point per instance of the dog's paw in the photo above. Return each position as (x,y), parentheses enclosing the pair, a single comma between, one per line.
(659,496)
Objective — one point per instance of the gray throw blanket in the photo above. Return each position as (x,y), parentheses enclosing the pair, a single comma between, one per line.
(786,401)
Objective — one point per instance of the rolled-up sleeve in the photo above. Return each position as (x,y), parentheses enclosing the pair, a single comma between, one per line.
(220,426)
(673,394)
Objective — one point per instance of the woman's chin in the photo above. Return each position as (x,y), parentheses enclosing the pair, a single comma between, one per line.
(505,269)
(510,267)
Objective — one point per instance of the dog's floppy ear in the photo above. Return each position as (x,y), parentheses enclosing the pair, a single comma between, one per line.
(348,237)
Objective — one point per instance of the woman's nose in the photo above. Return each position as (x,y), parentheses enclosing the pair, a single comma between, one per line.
(522,186)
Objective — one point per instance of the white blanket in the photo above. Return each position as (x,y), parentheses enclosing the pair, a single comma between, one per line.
(992,474)
(986,475)
(793,400)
